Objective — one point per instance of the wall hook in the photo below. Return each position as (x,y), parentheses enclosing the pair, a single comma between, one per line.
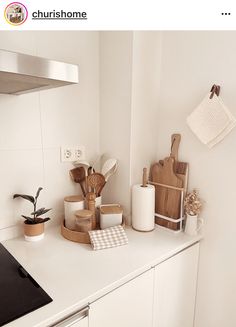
(215,90)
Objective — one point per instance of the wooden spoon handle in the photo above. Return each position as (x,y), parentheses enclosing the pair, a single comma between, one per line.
(82,188)
(100,189)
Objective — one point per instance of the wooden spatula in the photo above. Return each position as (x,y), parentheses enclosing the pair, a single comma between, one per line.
(78,176)
(96,181)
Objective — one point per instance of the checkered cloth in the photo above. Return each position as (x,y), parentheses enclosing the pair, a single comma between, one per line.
(108,238)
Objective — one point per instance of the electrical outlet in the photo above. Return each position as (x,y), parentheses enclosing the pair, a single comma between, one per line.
(72,153)
(67,154)
(79,152)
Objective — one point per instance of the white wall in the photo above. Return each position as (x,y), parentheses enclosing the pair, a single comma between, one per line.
(146,71)
(130,75)
(191,63)
(34,126)
(115,111)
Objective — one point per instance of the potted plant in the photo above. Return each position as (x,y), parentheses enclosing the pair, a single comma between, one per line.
(192,208)
(34,224)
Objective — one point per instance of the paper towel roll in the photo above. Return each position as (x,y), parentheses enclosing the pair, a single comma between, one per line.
(143,207)
(71,204)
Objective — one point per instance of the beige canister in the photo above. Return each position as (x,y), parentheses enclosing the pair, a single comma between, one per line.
(71,205)
(83,221)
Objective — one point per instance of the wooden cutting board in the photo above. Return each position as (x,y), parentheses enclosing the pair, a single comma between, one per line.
(181,169)
(167,200)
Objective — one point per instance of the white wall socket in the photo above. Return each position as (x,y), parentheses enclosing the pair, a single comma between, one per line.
(72,153)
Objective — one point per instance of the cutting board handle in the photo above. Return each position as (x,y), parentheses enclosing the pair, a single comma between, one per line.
(175,141)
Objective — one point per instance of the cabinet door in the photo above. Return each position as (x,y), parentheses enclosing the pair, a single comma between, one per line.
(175,289)
(130,305)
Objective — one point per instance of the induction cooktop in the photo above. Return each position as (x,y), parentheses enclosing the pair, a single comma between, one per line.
(19,292)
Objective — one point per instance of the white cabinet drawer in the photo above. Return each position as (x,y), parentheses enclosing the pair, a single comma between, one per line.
(128,306)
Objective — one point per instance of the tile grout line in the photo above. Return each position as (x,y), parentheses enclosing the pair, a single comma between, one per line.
(42,143)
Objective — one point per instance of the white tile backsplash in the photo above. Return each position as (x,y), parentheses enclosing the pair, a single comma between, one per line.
(18,174)
(58,183)
(20,121)
(34,126)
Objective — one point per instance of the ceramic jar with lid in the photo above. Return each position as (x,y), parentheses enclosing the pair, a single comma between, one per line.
(110,215)
(71,204)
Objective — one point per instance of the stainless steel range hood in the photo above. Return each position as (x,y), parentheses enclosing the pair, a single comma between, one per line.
(21,73)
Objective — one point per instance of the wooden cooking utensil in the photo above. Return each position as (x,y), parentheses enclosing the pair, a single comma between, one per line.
(96,181)
(91,198)
(167,199)
(78,176)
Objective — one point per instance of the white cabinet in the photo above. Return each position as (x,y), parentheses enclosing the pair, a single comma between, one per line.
(175,289)
(127,306)
(161,297)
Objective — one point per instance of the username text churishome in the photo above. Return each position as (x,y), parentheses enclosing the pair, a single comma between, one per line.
(59,14)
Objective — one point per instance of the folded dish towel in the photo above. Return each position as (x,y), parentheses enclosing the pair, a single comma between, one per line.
(108,238)
(211,121)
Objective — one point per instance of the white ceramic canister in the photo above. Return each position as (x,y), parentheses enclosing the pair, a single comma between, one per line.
(71,205)
(110,215)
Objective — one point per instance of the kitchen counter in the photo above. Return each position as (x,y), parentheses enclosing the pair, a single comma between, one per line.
(75,275)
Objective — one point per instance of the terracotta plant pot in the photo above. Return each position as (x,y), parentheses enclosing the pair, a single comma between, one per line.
(34,232)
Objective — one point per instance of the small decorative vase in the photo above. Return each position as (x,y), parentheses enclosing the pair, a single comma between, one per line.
(34,232)
(193,225)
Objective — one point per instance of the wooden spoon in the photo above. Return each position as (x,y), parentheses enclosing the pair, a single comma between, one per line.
(96,181)
(78,176)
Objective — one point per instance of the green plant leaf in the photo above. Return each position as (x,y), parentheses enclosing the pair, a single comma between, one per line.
(40,212)
(37,194)
(24,196)
(28,218)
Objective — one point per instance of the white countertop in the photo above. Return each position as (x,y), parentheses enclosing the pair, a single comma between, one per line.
(75,275)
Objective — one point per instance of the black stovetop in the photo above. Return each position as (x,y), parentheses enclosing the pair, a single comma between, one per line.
(19,292)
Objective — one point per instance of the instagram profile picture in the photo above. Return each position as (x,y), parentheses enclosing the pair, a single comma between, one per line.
(16,13)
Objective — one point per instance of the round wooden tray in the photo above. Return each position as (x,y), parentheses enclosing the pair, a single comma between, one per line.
(79,237)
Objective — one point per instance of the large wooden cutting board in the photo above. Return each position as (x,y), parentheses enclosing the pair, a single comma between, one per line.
(167,200)
(180,168)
